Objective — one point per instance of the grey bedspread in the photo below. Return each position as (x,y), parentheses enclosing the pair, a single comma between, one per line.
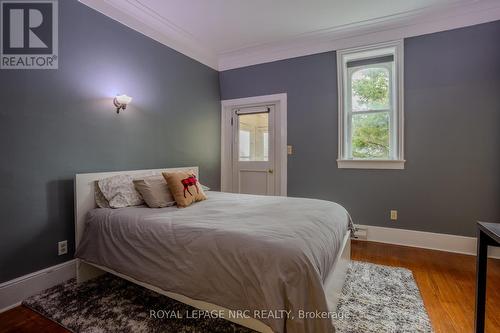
(242,252)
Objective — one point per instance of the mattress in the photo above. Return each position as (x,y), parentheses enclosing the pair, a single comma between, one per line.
(243,252)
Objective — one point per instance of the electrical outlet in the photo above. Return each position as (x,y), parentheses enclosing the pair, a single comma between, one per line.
(62,247)
(394,215)
(361,233)
(289,149)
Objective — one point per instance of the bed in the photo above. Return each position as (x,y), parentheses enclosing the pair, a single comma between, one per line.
(275,259)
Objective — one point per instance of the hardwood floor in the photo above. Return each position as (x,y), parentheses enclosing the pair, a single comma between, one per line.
(446,281)
(24,320)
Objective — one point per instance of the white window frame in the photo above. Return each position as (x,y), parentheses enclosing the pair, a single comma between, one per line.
(396,126)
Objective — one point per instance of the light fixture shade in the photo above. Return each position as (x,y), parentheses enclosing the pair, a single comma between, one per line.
(121,102)
(123,99)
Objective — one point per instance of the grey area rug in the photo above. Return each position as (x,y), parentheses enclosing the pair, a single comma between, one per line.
(374,299)
(379,298)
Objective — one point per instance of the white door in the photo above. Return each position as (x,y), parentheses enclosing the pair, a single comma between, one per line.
(253,144)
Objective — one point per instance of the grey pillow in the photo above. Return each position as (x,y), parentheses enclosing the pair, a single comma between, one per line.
(154,190)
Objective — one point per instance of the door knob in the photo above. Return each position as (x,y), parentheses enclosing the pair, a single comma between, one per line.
(270,170)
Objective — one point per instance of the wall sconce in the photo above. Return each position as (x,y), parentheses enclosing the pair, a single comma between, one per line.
(121,102)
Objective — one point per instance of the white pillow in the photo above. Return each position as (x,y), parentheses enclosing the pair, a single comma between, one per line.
(120,192)
(100,199)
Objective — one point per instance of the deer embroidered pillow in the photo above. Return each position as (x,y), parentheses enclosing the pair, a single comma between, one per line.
(185,187)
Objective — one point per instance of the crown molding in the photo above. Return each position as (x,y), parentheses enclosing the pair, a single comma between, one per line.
(409,24)
(139,17)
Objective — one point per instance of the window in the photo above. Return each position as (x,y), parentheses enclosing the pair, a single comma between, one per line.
(244,145)
(370,83)
(253,137)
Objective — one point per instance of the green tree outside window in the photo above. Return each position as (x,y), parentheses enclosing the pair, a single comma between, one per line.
(370,131)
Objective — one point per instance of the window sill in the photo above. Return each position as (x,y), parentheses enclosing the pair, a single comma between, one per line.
(371,164)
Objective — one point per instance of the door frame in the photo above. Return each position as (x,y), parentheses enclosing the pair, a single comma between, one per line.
(280,151)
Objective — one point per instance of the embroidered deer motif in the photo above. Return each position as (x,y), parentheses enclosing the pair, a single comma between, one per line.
(190,181)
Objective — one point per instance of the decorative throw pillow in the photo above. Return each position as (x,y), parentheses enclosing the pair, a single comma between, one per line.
(154,190)
(185,187)
(100,199)
(120,192)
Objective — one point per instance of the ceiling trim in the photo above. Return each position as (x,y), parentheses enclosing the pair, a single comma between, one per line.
(137,16)
(376,31)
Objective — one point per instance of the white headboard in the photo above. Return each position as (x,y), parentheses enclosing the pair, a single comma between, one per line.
(84,192)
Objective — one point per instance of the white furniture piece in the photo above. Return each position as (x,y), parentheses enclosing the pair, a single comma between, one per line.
(85,201)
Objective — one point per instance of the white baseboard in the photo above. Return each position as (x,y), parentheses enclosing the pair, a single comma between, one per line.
(13,292)
(426,240)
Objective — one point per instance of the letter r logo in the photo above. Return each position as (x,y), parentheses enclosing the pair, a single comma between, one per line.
(17,27)
(27,27)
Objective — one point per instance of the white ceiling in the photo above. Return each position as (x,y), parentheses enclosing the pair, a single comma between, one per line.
(233,33)
(228,25)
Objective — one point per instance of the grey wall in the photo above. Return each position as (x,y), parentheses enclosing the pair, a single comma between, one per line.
(452,132)
(55,123)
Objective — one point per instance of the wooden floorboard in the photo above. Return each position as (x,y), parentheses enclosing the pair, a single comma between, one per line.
(446,282)
(23,320)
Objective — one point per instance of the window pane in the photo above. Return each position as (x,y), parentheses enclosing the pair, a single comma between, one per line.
(254,133)
(370,135)
(244,145)
(265,140)
(370,89)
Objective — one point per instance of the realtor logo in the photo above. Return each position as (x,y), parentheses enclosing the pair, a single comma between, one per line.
(29,34)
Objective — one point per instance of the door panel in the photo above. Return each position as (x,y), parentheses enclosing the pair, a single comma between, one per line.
(255,182)
(253,150)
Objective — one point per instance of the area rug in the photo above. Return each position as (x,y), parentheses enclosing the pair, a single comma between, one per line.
(378,298)
(374,299)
